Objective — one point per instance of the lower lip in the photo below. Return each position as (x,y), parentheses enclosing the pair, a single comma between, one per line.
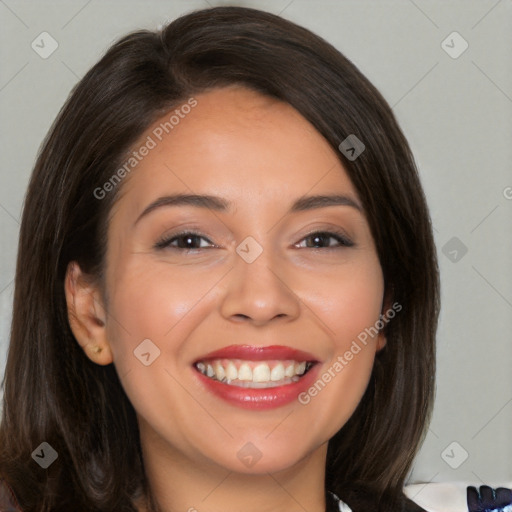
(260,399)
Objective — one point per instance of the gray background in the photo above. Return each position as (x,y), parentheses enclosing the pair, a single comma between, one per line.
(457,115)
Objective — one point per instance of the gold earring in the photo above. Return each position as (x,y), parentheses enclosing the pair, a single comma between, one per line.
(97,349)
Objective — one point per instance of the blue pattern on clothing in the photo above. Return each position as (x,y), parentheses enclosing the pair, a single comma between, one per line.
(487,499)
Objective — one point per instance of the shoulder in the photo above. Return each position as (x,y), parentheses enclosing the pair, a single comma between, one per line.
(460,497)
(8,502)
(359,499)
(433,497)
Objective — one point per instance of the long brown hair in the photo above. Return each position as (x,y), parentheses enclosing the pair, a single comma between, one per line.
(54,393)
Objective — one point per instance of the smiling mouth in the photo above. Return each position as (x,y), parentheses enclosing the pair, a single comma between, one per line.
(254,374)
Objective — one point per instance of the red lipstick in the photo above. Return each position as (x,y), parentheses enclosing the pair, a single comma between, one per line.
(259,398)
(253,353)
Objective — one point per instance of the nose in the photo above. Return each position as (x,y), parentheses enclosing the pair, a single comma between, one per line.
(260,292)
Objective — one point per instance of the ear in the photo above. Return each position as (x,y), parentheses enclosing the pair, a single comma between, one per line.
(87,315)
(386,305)
(381,341)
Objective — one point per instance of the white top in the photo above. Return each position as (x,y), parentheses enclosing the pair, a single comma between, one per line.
(440,497)
(447,496)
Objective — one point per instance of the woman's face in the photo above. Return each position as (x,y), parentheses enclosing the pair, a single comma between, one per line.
(256,273)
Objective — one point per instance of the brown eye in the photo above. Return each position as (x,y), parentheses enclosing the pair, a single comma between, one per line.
(323,238)
(187,240)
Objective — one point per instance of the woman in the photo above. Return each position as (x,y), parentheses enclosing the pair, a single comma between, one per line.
(227,289)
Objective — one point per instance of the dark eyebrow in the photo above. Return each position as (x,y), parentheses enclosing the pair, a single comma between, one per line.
(312,202)
(219,204)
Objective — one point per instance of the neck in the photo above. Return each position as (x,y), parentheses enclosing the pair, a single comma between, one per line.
(180,484)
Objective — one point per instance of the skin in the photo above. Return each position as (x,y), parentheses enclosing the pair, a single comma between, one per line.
(261,155)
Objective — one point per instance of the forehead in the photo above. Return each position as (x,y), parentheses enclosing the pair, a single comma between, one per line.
(236,143)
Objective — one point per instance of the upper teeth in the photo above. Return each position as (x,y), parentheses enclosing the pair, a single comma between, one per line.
(228,370)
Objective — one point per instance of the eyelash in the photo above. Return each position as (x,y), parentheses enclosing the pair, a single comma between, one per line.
(165,243)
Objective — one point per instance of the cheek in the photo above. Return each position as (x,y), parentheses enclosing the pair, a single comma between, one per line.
(349,306)
(156,302)
(332,399)
(154,310)
(348,300)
